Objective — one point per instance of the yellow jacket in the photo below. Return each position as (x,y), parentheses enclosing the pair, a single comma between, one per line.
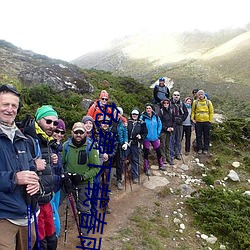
(202,110)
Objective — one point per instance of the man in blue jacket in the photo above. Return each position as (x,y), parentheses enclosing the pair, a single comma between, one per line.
(17,180)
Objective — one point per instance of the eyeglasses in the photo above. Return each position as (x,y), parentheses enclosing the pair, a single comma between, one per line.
(49,121)
(78,132)
(57,131)
(105,99)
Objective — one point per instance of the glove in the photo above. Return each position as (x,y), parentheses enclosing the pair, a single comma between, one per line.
(76,178)
(67,184)
(125,146)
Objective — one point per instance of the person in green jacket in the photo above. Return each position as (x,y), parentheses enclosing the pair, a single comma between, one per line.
(76,157)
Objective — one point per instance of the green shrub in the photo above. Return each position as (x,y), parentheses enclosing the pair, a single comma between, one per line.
(224,214)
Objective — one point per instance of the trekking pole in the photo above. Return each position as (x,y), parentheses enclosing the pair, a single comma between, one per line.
(29,222)
(172,153)
(128,173)
(37,233)
(129,176)
(75,217)
(66,222)
(125,174)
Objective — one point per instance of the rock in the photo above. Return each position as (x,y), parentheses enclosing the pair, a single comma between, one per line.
(184,167)
(156,173)
(247,193)
(155,181)
(223,247)
(182,226)
(236,164)
(155,167)
(204,236)
(197,160)
(177,221)
(233,176)
(186,189)
(212,239)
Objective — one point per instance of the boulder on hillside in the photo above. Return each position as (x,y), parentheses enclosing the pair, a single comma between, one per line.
(57,76)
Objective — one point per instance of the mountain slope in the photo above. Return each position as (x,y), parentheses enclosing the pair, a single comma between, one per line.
(143,56)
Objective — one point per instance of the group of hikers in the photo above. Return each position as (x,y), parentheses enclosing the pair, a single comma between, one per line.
(39,167)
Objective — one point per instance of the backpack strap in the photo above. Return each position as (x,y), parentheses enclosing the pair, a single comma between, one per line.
(36,146)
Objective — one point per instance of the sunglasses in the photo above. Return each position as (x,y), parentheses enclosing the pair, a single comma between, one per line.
(176,95)
(78,132)
(49,121)
(134,114)
(105,99)
(57,131)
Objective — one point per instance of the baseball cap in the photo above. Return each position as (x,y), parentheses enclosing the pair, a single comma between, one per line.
(78,126)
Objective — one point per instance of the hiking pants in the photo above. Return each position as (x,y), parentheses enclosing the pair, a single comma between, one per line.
(187,133)
(165,145)
(82,197)
(176,141)
(46,228)
(203,135)
(119,158)
(55,208)
(156,145)
(15,237)
(134,151)
(95,195)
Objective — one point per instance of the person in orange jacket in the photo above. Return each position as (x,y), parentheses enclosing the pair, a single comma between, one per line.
(95,108)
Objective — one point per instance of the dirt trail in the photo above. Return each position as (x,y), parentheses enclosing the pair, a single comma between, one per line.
(123,203)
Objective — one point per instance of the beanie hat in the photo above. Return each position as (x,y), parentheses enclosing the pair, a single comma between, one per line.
(104,94)
(61,125)
(149,104)
(120,110)
(165,100)
(87,118)
(195,91)
(188,98)
(45,110)
(201,92)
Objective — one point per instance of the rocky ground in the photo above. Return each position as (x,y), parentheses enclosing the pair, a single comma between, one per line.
(181,181)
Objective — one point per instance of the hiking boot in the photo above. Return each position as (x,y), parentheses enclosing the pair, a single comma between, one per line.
(199,151)
(135,180)
(146,167)
(147,172)
(205,152)
(186,153)
(162,166)
(107,210)
(178,157)
(119,185)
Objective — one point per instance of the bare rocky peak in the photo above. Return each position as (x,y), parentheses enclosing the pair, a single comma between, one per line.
(31,69)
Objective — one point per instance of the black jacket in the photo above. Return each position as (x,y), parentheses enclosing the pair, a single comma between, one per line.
(180,111)
(167,118)
(46,176)
(136,127)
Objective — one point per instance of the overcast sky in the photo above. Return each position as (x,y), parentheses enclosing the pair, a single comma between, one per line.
(66,29)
